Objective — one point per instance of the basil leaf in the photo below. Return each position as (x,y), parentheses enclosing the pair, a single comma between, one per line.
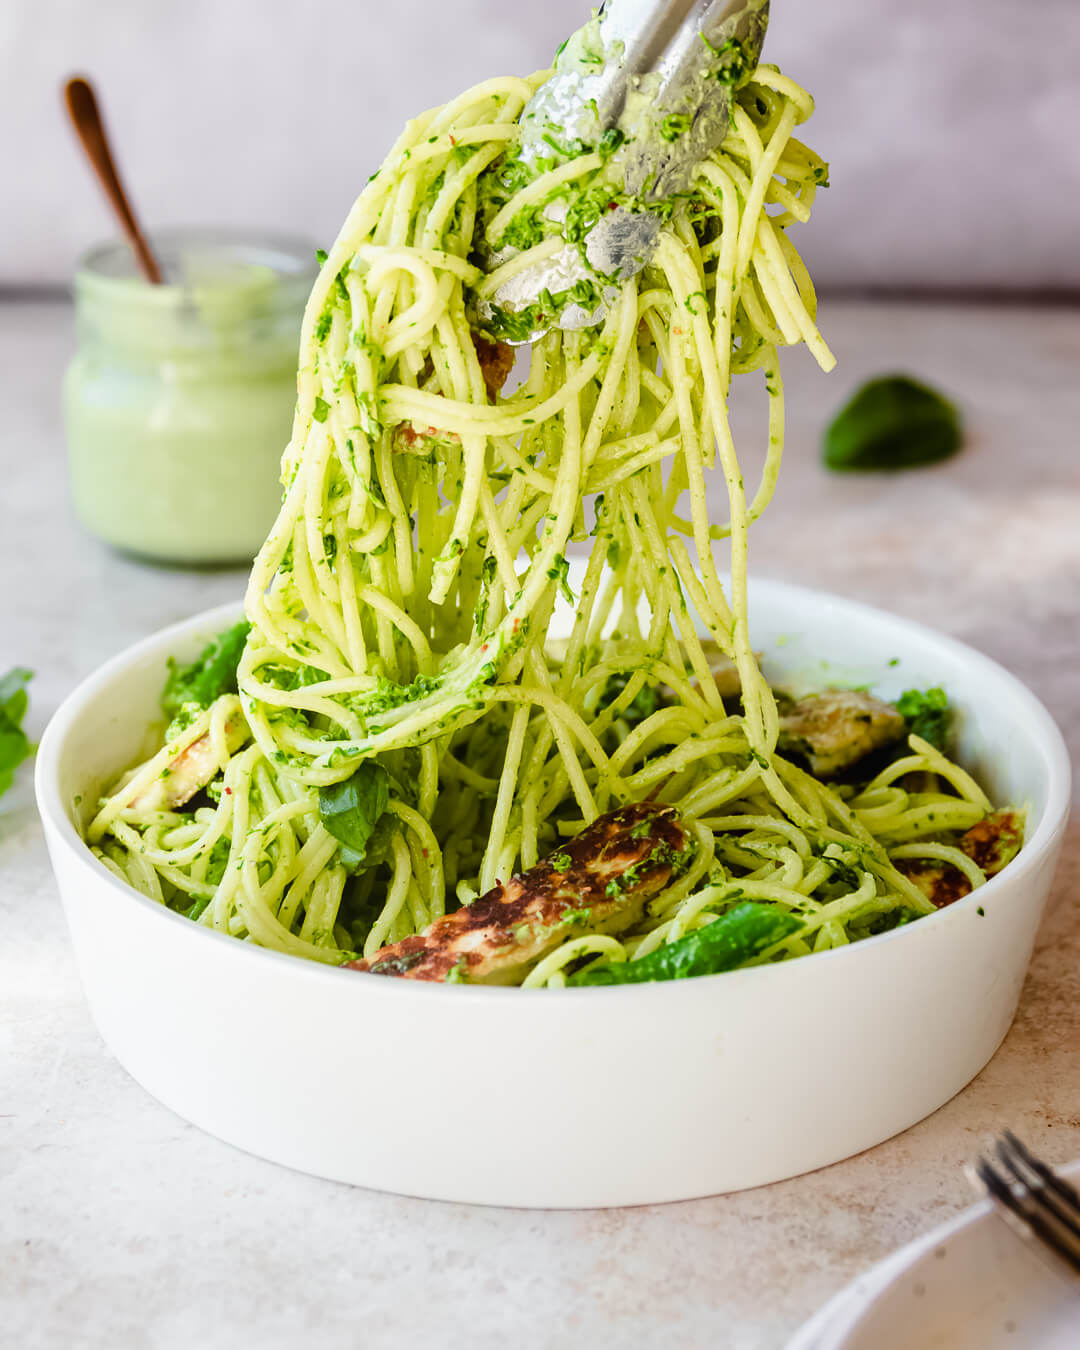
(892,423)
(730,941)
(14,745)
(212,674)
(927,714)
(351,810)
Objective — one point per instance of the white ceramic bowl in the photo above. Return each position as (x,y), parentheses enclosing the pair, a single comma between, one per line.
(581,1097)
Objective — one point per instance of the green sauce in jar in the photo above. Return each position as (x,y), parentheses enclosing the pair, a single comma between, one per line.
(179,401)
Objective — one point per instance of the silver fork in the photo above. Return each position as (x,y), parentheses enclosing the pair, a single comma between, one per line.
(1037,1204)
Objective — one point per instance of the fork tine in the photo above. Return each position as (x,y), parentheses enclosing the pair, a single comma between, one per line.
(1040,1194)
(1049,1177)
(1027,1211)
(1058,1200)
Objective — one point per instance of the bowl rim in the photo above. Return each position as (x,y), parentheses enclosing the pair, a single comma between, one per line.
(1046,738)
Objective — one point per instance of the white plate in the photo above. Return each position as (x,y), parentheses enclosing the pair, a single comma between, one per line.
(576,1097)
(971,1284)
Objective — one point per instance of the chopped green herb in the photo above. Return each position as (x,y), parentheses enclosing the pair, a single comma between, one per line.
(560,571)
(927,714)
(579,918)
(675,125)
(736,62)
(459,972)
(525,230)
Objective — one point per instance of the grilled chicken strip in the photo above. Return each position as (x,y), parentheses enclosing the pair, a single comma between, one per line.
(190,770)
(600,880)
(836,729)
(991,844)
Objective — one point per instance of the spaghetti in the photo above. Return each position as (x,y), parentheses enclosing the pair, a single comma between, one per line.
(400,607)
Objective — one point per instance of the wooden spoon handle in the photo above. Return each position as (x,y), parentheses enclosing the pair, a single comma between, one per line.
(83,109)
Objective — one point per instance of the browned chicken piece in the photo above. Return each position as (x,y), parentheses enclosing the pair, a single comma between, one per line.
(599,880)
(496,362)
(836,729)
(190,770)
(993,842)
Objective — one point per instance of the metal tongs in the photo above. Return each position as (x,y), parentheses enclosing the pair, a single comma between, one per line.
(659,77)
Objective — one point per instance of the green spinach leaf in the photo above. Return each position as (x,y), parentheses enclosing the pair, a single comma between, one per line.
(351,810)
(14,745)
(212,674)
(730,941)
(892,423)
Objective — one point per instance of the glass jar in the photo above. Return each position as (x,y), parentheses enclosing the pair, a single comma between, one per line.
(179,400)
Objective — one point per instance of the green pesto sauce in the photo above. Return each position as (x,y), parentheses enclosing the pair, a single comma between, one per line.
(180,400)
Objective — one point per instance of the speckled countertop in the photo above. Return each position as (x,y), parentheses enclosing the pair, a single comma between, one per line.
(123,1228)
